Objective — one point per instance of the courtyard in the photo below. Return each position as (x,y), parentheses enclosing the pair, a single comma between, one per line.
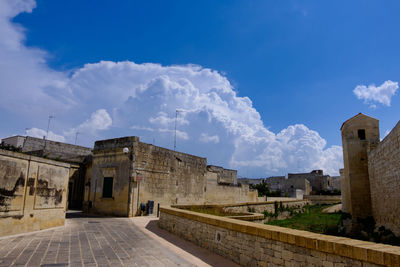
(104,241)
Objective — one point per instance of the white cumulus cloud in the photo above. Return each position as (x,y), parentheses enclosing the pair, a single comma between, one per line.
(99,120)
(142,99)
(377,94)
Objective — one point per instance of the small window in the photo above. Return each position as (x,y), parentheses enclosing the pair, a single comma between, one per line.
(108,187)
(361,134)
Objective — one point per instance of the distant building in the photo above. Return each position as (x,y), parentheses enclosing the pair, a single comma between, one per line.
(251,181)
(308,183)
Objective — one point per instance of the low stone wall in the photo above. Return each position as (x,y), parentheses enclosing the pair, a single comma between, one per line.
(260,207)
(252,244)
(323,199)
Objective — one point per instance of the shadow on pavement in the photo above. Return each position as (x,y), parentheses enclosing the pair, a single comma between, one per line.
(70,214)
(208,257)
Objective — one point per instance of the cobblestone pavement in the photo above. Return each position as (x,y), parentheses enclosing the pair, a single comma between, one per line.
(89,242)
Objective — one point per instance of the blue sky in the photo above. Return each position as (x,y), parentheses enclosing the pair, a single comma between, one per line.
(285,73)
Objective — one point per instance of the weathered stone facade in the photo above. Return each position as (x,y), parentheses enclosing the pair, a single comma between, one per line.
(149,173)
(359,134)
(384,179)
(49,149)
(371,175)
(252,244)
(77,156)
(33,192)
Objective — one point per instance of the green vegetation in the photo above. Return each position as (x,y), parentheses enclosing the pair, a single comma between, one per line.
(213,210)
(263,190)
(279,208)
(313,220)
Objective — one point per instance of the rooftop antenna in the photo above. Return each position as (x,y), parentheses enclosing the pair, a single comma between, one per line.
(76,136)
(176,118)
(47,132)
(26,131)
(48,126)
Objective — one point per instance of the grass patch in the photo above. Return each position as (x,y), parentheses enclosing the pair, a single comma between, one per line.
(218,211)
(313,220)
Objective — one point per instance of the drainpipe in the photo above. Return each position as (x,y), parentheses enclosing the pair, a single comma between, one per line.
(129,181)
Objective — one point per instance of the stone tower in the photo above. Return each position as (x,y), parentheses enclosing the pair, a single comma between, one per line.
(359,135)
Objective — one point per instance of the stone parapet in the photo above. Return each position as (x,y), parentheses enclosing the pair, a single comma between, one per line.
(323,199)
(252,244)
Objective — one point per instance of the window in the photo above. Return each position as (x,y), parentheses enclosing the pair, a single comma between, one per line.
(108,187)
(361,134)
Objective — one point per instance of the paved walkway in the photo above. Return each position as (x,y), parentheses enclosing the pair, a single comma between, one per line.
(105,242)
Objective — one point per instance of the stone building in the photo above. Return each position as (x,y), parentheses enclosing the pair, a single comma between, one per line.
(308,183)
(126,174)
(76,156)
(370,179)
(33,192)
(251,181)
(117,177)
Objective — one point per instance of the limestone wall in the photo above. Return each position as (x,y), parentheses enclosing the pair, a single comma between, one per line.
(359,134)
(323,199)
(110,162)
(251,244)
(169,177)
(150,173)
(384,178)
(48,148)
(216,193)
(264,206)
(33,193)
(224,176)
(32,143)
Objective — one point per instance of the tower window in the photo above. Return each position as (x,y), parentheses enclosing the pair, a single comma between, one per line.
(361,134)
(108,187)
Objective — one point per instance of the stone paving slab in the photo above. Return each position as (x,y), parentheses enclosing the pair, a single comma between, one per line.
(98,242)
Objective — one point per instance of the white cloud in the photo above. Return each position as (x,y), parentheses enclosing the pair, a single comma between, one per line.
(179,134)
(24,71)
(373,94)
(39,133)
(216,122)
(99,120)
(162,118)
(205,138)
